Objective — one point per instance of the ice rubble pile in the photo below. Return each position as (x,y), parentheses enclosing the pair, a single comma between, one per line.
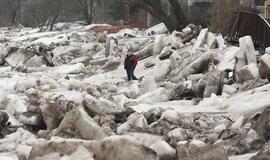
(64,95)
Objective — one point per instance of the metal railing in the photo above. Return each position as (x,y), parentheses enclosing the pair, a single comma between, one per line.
(253,24)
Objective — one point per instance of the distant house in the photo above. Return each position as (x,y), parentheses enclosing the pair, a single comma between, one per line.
(260,6)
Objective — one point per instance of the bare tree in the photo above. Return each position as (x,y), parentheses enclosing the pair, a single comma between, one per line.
(12,11)
(41,13)
(86,7)
(154,7)
(16,12)
(47,12)
(222,15)
(56,12)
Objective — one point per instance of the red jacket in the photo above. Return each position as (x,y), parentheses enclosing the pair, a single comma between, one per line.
(131,61)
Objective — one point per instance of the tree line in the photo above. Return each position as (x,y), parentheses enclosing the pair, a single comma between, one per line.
(45,13)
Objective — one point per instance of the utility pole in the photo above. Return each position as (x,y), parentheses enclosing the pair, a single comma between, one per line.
(127,14)
(267,9)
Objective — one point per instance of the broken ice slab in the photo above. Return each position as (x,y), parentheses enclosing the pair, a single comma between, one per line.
(228,60)
(19,55)
(249,102)
(246,43)
(199,150)
(201,39)
(114,148)
(264,67)
(247,72)
(267,50)
(157,29)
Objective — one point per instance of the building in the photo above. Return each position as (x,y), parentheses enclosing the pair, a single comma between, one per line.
(260,6)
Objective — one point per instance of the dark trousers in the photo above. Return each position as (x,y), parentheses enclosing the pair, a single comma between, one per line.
(130,74)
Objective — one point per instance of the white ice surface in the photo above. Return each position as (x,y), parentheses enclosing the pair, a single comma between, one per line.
(8,156)
(59,39)
(242,157)
(179,106)
(248,102)
(119,74)
(228,61)
(34,35)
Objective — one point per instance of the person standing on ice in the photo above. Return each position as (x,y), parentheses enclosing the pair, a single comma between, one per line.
(131,61)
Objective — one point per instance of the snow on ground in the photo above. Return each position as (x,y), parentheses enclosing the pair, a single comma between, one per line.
(179,106)
(33,35)
(119,74)
(59,39)
(248,102)
(8,156)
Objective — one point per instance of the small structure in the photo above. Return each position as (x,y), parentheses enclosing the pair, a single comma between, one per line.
(253,24)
